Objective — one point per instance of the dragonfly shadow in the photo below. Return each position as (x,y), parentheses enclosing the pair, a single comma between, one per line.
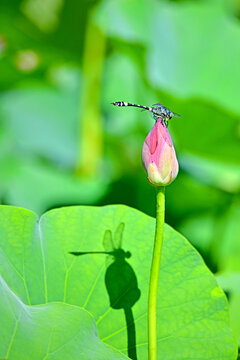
(121,284)
(123,291)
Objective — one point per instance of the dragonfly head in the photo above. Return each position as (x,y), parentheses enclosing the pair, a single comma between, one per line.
(127,254)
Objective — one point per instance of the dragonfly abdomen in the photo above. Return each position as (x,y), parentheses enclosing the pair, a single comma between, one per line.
(124,103)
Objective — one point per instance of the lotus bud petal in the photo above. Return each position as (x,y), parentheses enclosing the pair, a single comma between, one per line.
(158,156)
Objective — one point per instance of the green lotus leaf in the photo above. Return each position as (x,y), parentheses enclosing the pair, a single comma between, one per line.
(51,331)
(193,318)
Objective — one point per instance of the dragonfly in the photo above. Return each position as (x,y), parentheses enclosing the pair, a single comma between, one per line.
(158,110)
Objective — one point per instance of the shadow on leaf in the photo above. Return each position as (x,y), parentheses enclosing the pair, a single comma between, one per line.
(120,280)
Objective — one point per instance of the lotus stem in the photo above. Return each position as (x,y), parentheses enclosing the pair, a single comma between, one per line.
(154,275)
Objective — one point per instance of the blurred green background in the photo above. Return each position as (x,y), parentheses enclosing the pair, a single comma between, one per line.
(61,65)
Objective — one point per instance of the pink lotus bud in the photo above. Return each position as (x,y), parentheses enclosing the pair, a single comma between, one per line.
(158,156)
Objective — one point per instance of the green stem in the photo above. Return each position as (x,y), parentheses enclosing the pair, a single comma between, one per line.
(154,275)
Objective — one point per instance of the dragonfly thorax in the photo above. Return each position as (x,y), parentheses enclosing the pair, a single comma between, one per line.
(120,254)
(162,111)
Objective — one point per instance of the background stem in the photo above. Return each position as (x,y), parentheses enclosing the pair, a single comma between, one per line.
(90,120)
(154,275)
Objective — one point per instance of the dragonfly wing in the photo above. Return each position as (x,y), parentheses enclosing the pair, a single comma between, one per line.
(118,235)
(176,115)
(108,246)
(108,241)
